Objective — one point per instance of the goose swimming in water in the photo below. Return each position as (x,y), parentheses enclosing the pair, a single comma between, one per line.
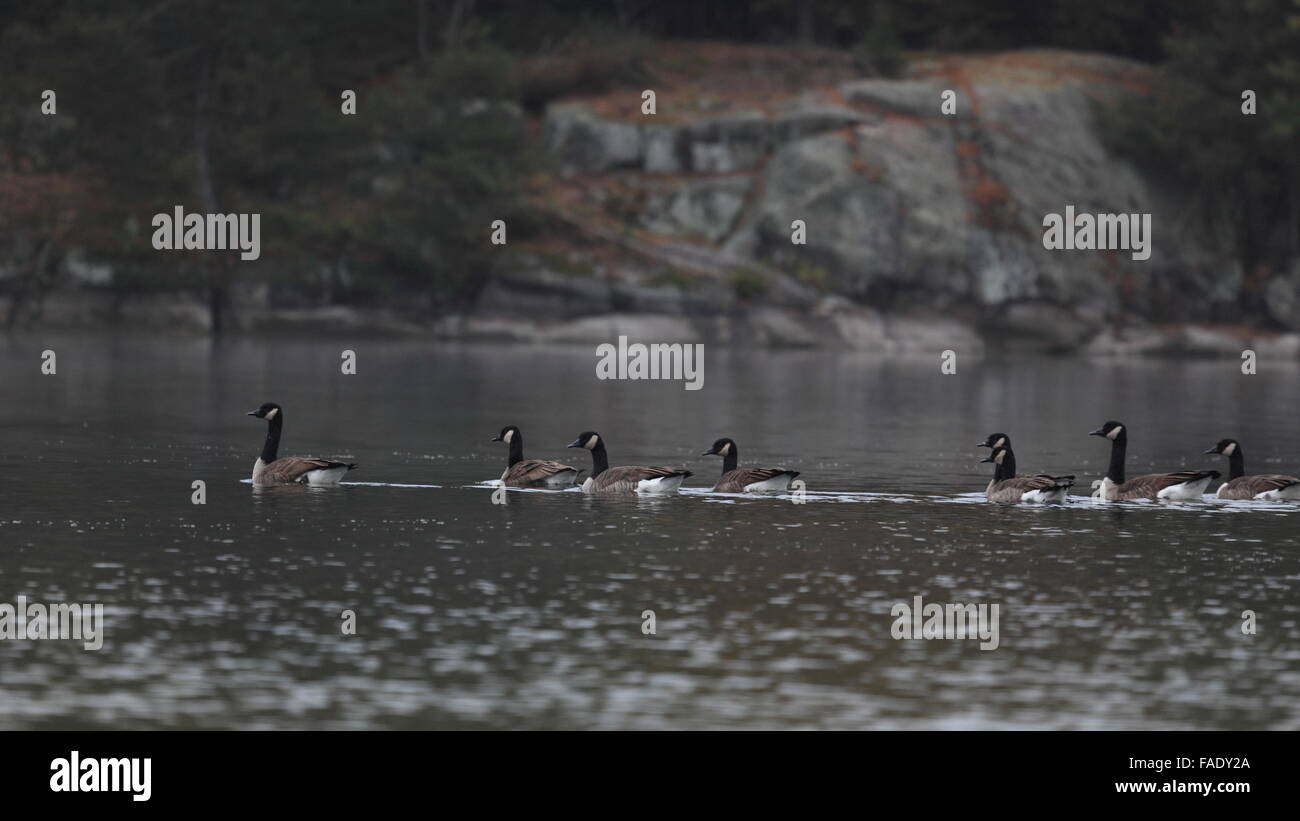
(626,479)
(268,470)
(1181,485)
(521,472)
(1006,486)
(746,480)
(1269,486)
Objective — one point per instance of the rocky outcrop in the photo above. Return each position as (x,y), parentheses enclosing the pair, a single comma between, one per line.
(909,209)
(923,226)
(1282,298)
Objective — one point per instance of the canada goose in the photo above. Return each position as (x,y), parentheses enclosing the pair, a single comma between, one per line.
(1008,487)
(1180,485)
(746,480)
(268,470)
(521,472)
(996,440)
(627,479)
(1271,486)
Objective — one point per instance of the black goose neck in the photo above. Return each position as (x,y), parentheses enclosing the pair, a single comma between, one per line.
(599,460)
(730,459)
(1236,463)
(516,449)
(272,444)
(1118,448)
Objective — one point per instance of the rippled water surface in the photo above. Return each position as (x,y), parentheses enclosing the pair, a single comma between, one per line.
(528,614)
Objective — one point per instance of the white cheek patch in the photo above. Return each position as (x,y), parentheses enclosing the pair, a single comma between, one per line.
(1116,432)
(271,414)
(725,449)
(591,443)
(509,435)
(1002,441)
(1230,449)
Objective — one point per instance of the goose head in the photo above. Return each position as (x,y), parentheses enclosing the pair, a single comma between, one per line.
(1225,446)
(588,439)
(507,434)
(722,447)
(268,411)
(996,457)
(995,440)
(1112,430)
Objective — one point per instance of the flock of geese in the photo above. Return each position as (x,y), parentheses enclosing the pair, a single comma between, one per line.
(1005,486)
(1179,485)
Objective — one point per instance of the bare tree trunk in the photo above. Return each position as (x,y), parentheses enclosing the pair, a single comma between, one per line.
(460,10)
(207,190)
(422,29)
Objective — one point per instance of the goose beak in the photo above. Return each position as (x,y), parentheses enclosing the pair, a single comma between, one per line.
(1212,450)
(576,443)
(989,459)
(251,413)
(495,439)
(1098,432)
(983,444)
(709,453)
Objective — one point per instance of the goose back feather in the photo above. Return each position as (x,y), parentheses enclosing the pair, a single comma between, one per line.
(636,479)
(535,472)
(1261,486)
(754,480)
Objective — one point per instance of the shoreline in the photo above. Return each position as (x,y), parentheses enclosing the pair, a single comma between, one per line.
(831,325)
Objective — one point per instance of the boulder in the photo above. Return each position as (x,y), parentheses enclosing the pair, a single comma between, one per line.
(1282,298)
(579,142)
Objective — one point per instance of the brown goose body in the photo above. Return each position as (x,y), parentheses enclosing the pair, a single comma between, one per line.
(1267,486)
(540,473)
(1006,486)
(636,479)
(269,470)
(651,479)
(1180,485)
(754,480)
(1040,488)
(521,472)
(295,469)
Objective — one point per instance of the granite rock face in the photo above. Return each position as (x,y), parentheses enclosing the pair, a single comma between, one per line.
(908,209)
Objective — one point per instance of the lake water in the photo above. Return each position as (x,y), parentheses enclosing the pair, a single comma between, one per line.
(528,614)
